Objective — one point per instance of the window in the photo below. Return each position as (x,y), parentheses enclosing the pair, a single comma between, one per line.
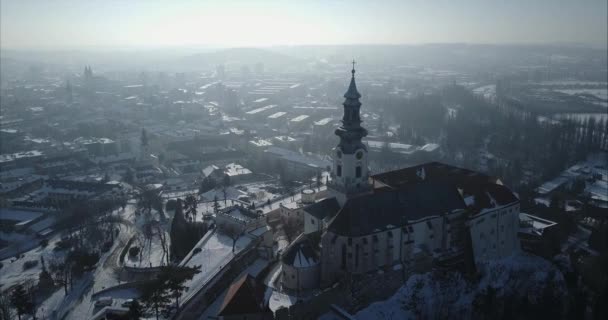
(350,241)
(343,257)
(339,171)
(312,221)
(358,172)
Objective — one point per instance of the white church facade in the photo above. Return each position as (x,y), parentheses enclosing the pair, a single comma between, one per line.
(413,217)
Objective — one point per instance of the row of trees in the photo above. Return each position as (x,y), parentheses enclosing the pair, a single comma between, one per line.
(466,126)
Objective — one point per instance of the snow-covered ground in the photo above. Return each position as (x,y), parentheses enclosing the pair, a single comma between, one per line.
(151,254)
(431,295)
(600,93)
(12,272)
(216,252)
(488,92)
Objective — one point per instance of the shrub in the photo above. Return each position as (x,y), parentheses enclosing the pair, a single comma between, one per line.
(44,243)
(30,264)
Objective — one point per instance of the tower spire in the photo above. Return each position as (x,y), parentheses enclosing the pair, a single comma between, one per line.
(352,93)
(350,173)
(351,132)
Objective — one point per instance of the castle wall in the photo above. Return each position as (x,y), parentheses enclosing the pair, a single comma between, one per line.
(300,278)
(494,232)
(367,253)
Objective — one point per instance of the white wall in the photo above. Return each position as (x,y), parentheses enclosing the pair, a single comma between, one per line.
(494,232)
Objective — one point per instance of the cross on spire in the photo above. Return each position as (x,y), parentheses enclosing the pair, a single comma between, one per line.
(353,71)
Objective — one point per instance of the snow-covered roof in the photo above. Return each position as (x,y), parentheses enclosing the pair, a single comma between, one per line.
(234,169)
(299,118)
(258,110)
(277,115)
(533,224)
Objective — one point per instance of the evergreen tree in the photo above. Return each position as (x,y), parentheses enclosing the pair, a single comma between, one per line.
(154,295)
(175,277)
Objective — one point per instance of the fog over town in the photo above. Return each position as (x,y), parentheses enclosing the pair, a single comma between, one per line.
(320,160)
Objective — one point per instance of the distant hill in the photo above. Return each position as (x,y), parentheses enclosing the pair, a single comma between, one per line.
(238,56)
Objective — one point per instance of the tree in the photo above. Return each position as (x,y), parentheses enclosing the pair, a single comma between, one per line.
(175,277)
(150,199)
(319,182)
(154,295)
(144,137)
(6,313)
(216,205)
(21,301)
(163,241)
(206,185)
(62,272)
(129,176)
(190,204)
(234,233)
(135,310)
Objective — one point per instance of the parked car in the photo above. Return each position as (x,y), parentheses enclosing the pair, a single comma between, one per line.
(104,302)
(127,303)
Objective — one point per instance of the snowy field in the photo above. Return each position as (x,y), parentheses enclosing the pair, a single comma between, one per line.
(435,296)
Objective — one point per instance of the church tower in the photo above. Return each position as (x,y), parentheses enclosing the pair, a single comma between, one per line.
(350,174)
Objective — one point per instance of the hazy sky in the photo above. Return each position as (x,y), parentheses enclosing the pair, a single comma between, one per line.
(63,23)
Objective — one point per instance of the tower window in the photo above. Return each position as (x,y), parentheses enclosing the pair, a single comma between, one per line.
(339,171)
(358,172)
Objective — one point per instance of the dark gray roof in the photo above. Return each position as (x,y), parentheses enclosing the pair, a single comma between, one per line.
(324,208)
(375,211)
(301,253)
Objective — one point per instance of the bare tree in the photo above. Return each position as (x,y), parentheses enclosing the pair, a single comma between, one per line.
(163,241)
(61,271)
(6,312)
(234,232)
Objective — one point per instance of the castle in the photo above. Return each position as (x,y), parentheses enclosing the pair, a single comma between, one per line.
(430,214)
